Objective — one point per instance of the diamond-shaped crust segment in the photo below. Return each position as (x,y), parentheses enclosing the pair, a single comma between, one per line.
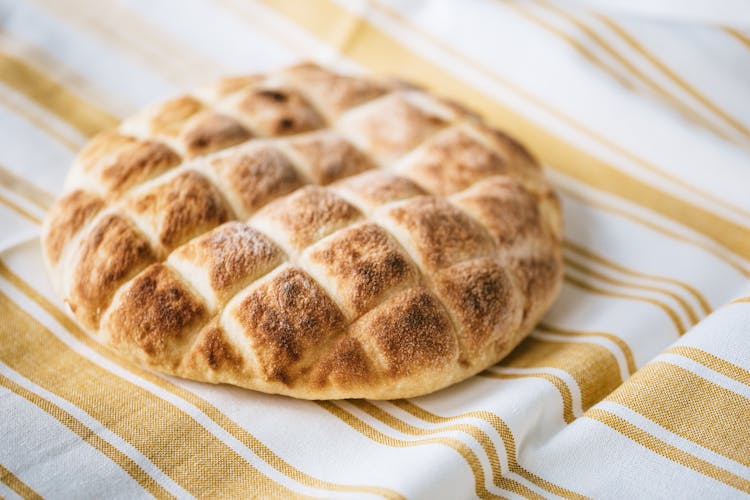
(307,233)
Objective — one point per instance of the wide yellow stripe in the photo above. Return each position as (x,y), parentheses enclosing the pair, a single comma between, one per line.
(383,54)
(624,347)
(505,434)
(608,207)
(691,407)
(15,484)
(674,318)
(375,435)
(674,77)
(484,441)
(40,123)
(19,210)
(572,264)
(258,447)
(53,97)
(557,382)
(713,362)
(654,86)
(666,450)
(88,435)
(23,187)
(158,430)
(592,366)
(563,117)
(589,254)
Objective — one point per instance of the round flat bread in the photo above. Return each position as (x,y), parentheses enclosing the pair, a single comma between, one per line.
(307,233)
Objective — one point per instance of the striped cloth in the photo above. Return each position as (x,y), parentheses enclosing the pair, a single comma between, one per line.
(636,384)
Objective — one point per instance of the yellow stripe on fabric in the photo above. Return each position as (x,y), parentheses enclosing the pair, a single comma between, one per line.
(383,54)
(713,362)
(624,347)
(592,366)
(15,484)
(19,210)
(739,36)
(88,435)
(675,319)
(246,438)
(157,429)
(53,97)
(40,123)
(588,200)
(556,381)
(23,187)
(691,407)
(666,450)
(679,81)
(375,435)
(579,249)
(572,264)
(637,73)
(565,118)
(482,438)
(740,300)
(505,434)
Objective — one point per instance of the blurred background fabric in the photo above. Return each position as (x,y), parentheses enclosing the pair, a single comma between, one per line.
(635,385)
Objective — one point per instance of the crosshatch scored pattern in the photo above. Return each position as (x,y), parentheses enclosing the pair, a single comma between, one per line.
(310,234)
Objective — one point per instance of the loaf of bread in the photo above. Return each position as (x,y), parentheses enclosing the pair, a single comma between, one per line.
(307,233)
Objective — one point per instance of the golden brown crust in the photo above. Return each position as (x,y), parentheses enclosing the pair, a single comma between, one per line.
(285,319)
(111,252)
(365,263)
(154,314)
(411,332)
(256,177)
(328,157)
(68,216)
(185,206)
(278,111)
(136,163)
(309,214)
(212,132)
(234,254)
(441,233)
(389,243)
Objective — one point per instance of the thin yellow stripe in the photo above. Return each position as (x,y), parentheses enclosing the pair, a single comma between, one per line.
(653,85)
(41,124)
(632,42)
(624,347)
(690,406)
(375,435)
(484,441)
(659,229)
(53,97)
(104,447)
(567,119)
(739,36)
(676,321)
(383,54)
(23,187)
(740,300)
(593,367)
(713,362)
(666,450)
(149,423)
(211,411)
(557,382)
(15,484)
(638,274)
(505,434)
(20,210)
(613,281)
